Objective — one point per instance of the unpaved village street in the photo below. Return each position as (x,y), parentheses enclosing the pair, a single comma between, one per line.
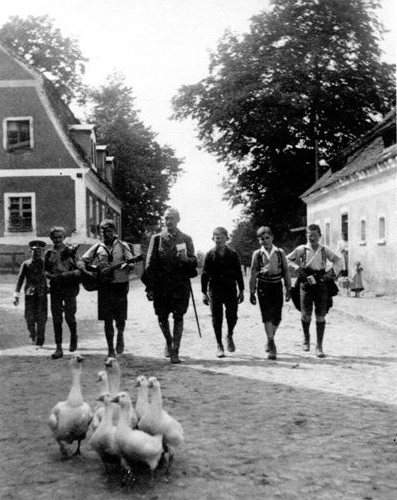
(295,428)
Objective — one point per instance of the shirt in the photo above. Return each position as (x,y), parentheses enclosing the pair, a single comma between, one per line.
(304,256)
(32,272)
(117,252)
(221,271)
(273,265)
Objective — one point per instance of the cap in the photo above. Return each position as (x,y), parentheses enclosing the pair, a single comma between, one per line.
(37,244)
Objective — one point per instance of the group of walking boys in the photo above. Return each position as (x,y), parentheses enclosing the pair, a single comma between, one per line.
(170,264)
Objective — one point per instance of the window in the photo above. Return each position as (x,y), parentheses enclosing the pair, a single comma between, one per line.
(363,232)
(18,134)
(20,213)
(345,227)
(327,234)
(381,231)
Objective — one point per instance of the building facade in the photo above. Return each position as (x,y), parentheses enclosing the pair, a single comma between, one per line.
(355,204)
(52,171)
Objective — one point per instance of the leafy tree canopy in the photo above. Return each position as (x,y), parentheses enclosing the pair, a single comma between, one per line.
(307,77)
(59,58)
(145,171)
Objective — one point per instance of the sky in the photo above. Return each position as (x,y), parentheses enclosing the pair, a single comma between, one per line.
(160,45)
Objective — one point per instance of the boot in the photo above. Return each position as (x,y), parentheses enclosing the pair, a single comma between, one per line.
(230,344)
(320,326)
(109,334)
(40,334)
(176,341)
(58,352)
(120,342)
(220,352)
(165,328)
(306,336)
(73,337)
(272,349)
(58,341)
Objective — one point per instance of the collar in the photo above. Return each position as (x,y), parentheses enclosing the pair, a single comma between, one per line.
(268,254)
(309,247)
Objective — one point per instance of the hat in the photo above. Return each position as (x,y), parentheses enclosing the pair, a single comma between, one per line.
(107,223)
(37,244)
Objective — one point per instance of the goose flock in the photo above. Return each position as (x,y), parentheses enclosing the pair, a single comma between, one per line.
(122,435)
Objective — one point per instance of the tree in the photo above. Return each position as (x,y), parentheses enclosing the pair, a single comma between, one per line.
(145,171)
(244,241)
(58,58)
(305,82)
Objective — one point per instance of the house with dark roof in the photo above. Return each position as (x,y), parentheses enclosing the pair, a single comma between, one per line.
(52,171)
(355,203)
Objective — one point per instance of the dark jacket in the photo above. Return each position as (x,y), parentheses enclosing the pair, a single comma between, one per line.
(221,273)
(165,271)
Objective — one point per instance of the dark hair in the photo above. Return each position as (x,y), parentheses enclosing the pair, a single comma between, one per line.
(264,229)
(314,227)
(221,230)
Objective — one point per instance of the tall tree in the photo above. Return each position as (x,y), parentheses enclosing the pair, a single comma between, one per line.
(305,81)
(145,171)
(59,58)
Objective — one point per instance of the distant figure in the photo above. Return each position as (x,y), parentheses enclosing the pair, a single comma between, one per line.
(357,281)
(269,267)
(111,253)
(61,269)
(310,260)
(221,273)
(170,263)
(343,249)
(32,272)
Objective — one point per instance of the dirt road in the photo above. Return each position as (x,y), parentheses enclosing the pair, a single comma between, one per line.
(298,427)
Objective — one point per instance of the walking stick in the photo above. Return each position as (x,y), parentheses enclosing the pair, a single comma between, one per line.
(195,310)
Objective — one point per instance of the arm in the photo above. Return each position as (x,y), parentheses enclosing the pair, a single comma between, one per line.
(293,259)
(205,277)
(337,263)
(253,276)
(286,275)
(239,278)
(20,279)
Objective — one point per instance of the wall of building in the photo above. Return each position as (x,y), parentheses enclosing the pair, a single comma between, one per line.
(364,200)
(55,204)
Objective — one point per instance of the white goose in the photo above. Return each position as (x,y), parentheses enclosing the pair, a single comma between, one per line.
(134,445)
(157,421)
(99,410)
(69,420)
(142,402)
(114,375)
(103,439)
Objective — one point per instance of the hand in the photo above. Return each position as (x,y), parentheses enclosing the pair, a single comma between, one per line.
(150,295)
(16,301)
(80,264)
(329,276)
(206,299)
(182,255)
(288,295)
(253,299)
(240,297)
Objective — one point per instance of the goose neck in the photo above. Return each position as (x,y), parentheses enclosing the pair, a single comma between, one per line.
(75,397)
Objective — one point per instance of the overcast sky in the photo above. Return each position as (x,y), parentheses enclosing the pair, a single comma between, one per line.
(160,45)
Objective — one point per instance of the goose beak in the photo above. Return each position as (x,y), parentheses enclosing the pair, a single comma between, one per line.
(79,358)
(101,398)
(116,399)
(109,361)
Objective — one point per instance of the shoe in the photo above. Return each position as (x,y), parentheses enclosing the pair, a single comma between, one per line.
(220,353)
(120,345)
(57,354)
(111,353)
(39,343)
(32,338)
(167,353)
(174,358)
(267,347)
(230,344)
(319,352)
(272,349)
(306,346)
(73,343)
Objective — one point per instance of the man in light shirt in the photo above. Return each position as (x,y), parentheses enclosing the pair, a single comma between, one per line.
(311,262)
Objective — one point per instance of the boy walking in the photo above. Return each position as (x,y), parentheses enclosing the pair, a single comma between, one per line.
(221,273)
(32,273)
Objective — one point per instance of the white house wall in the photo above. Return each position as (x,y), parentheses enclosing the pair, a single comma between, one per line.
(366,199)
